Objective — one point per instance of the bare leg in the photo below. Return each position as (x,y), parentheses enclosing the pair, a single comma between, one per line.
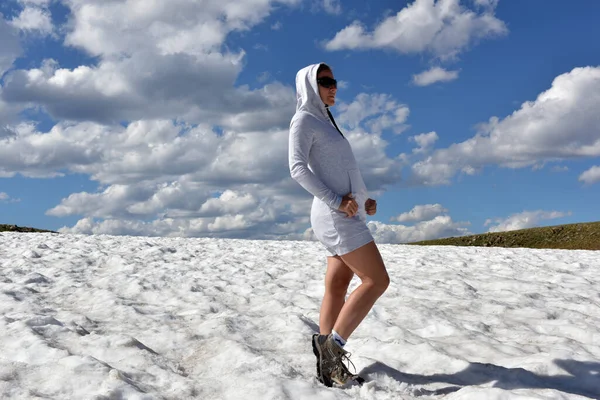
(366,262)
(337,279)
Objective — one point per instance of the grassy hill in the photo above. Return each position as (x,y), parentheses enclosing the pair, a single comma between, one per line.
(15,228)
(583,236)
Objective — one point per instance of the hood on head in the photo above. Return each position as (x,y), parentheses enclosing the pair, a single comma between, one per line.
(307,92)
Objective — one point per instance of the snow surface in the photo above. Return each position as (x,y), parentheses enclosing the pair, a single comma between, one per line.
(103,317)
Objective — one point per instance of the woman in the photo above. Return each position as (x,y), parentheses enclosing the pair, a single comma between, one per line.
(338,218)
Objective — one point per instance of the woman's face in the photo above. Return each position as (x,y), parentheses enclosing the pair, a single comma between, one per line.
(327,94)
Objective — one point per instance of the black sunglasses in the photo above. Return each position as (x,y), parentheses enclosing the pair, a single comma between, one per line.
(327,82)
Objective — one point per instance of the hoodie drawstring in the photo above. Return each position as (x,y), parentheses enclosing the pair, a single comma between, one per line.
(333,121)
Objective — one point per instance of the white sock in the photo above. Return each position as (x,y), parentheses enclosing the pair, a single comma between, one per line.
(340,341)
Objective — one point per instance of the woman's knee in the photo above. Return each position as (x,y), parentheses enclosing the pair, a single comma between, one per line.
(368,264)
(383,282)
(379,282)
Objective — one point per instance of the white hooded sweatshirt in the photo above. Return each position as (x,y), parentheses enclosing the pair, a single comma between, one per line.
(322,162)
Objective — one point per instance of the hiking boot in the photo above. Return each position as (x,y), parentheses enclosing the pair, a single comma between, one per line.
(316,353)
(330,365)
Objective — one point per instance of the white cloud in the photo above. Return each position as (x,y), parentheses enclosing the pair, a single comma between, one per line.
(39,3)
(152,60)
(440,226)
(120,27)
(363,120)
(591,176)
(487,3)
(524,220)
(561,123)
(425,141)
(5,198)
(146,151)
(343,84)
(115,202)
(226,226)
(230,202)
(443,28)
(433,75)
(560,168)
(332,6)
(429,221)
(182,209)
(376,112)
(34,19)
(421,213)
(10,47)
(377,168)
(148,86)
(264,76)
(260,46)
(193,208)
(89,226)
(9,114)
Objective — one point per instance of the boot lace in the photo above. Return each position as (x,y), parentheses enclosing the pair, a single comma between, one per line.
(341,371)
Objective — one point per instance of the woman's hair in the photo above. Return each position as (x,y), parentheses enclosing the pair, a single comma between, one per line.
(323,67)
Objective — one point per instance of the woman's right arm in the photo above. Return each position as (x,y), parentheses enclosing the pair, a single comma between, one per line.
(301,140)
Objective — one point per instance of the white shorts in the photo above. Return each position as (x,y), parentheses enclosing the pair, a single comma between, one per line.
(336,231)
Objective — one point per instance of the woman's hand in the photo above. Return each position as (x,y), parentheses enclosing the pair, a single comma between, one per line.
(371,206)
(349,205)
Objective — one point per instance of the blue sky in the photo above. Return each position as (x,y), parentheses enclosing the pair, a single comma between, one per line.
(171,119)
